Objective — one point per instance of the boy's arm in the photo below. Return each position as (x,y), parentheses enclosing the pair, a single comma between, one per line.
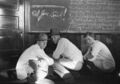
(88,55)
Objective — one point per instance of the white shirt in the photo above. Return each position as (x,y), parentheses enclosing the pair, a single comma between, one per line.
(102,56)
(68,50)
(99,48)
(33,52)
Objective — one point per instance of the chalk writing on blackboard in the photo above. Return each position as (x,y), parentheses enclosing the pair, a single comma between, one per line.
(45,16)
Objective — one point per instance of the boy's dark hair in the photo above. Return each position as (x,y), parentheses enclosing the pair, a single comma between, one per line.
(54,31)
(89,34)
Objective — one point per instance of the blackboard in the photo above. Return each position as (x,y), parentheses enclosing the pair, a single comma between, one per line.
(82,16)
(100,16)
(45,17)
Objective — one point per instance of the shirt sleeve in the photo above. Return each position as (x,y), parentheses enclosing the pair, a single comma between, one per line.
(59,49)
(50,60)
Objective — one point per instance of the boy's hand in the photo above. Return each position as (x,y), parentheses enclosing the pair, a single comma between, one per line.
(88,56)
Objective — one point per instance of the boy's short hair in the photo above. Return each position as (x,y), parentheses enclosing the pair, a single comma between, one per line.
(89,34)
(54,31)
(42,37)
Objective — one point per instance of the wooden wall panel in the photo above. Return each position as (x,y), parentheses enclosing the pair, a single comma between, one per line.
(11,32)
(10,4)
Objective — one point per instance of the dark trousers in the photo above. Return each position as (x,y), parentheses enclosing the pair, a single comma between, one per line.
(93,69)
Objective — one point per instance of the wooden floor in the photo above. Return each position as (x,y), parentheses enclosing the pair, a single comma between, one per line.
(95,79)
(80,79)
(84,76)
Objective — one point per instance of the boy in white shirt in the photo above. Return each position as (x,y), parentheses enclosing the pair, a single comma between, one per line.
(98,56)
(67,56)
(35,61)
